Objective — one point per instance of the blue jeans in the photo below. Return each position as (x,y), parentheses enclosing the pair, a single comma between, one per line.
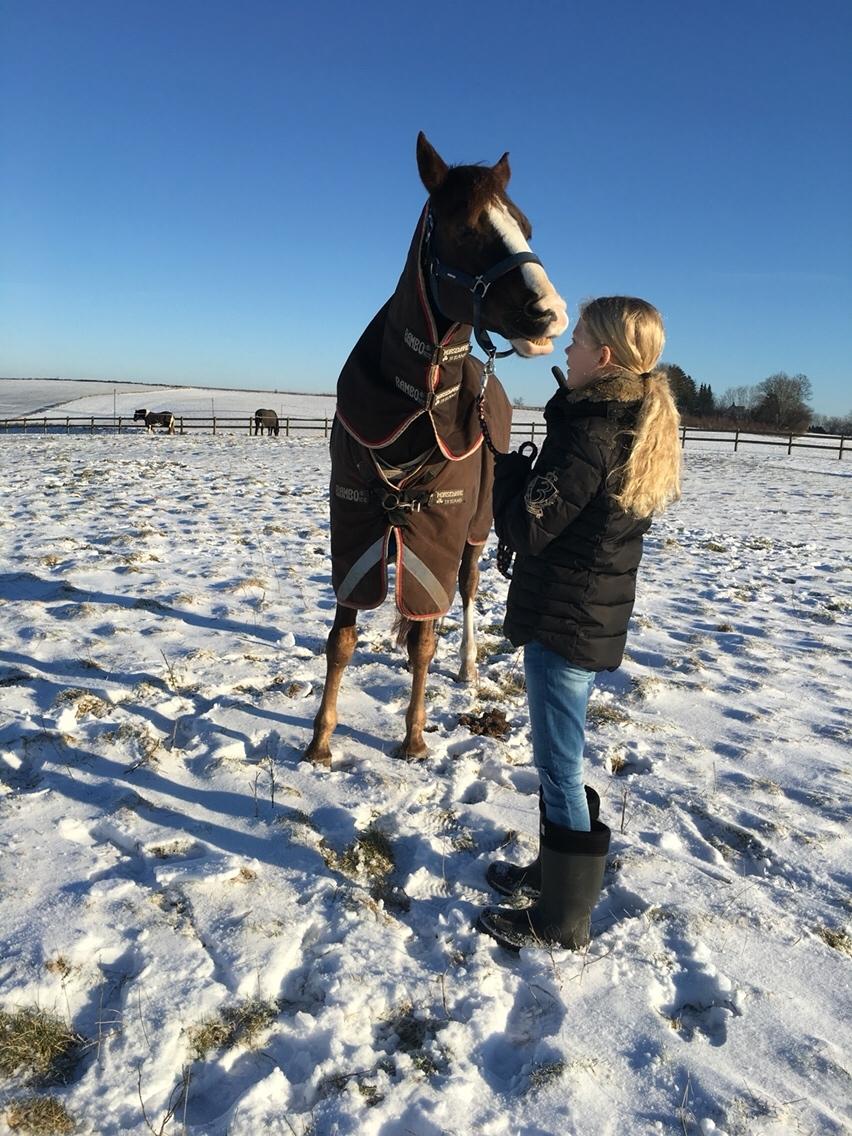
(558,694)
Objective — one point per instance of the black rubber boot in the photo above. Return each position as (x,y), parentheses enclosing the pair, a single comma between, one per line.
(572,871)
(520,880)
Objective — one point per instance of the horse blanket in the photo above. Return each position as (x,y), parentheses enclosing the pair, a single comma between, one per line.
(402,376)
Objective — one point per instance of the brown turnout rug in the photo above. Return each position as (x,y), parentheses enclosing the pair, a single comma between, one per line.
(401,379)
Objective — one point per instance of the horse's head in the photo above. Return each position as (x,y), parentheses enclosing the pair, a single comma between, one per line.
(139,415)
(476,226)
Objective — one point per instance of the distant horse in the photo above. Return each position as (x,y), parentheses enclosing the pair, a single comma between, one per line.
(410,476)
(153,418)
(267,419)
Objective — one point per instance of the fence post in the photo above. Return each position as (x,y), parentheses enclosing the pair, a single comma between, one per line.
(286,427)
(736,440)
(840,451)
(92,425)
(325,427)
(683,437)
(214,425)
(790,446)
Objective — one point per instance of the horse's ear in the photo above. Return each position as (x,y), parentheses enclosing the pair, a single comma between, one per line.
(502,171)
(430,165)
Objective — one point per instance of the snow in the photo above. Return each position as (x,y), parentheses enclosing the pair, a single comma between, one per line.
(164,603)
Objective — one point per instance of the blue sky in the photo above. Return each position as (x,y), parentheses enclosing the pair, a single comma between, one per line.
(223,193)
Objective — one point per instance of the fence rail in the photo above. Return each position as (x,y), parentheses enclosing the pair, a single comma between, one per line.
(184,424)
(841,444)
(289,425)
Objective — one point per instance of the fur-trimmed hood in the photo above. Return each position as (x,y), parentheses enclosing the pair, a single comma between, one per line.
(617,386)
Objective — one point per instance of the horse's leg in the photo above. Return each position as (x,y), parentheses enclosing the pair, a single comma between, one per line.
(468,587)
(421,648)
(338,652)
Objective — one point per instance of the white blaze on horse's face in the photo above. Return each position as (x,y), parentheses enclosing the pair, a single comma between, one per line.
(536,279)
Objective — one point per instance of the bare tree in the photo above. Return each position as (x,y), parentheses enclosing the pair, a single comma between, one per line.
(784,401)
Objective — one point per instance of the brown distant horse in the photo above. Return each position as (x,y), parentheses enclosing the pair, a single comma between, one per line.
(410,476)
(266,419)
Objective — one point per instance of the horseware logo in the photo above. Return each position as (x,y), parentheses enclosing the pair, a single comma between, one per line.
(441,354)
(411,390)
(417,345)
(345,493)
(444,395)
(429,401)
(541,492)
(449,497)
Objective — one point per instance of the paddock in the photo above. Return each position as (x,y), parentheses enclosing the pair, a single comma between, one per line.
(527,424)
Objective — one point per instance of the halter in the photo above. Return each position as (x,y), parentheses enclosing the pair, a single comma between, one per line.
(477,285)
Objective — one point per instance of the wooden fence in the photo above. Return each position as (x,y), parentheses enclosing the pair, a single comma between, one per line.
(184,424)
(827,444)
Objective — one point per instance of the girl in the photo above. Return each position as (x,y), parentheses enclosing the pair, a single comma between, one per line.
(610,460)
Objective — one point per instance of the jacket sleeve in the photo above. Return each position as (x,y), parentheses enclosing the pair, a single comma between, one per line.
(530,511)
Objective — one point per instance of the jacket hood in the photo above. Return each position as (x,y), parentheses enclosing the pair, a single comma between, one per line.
(616,386)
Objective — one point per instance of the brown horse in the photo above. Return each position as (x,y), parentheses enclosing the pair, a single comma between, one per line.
(266,419)
(410,476)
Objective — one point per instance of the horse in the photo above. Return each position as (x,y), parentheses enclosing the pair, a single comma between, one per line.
(153,418)
(267,419)
(411,477)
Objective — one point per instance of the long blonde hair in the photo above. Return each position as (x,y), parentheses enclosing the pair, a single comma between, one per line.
(633,331)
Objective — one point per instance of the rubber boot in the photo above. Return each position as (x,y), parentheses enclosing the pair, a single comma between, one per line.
(572,871)
(516,879)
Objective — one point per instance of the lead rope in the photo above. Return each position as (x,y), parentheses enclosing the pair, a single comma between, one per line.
(505,554)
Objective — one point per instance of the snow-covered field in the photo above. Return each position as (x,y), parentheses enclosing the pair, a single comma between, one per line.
(61,397)
(168,861)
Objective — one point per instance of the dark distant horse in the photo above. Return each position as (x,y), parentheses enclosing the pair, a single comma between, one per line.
(153,418)
(266,419)
(410,476)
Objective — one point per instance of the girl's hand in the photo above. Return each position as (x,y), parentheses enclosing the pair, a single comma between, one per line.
(516,465)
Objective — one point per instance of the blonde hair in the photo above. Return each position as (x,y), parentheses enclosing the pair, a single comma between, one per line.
(633,331)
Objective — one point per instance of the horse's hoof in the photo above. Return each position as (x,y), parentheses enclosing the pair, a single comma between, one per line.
(411,753)
(467,676)
(320,756)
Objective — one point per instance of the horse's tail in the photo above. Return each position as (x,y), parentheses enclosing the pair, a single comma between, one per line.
(401,630)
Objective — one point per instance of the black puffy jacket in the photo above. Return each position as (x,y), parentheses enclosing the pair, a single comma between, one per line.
(574,579)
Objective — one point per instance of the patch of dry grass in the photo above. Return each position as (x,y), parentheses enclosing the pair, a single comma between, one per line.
(40,1116)
(59,965)
(236,1025)
(84,702)
(370,855)
(544,1075)
(36,1045)
(837,940)
(606,714)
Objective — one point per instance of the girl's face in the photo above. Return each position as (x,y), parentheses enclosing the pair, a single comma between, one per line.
(586,359)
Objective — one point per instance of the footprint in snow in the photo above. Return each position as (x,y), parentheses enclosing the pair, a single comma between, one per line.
(697,997)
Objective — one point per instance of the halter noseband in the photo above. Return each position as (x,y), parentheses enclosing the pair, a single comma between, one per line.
(478,285)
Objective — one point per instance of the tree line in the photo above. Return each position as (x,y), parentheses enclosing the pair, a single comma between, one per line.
(780,402)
